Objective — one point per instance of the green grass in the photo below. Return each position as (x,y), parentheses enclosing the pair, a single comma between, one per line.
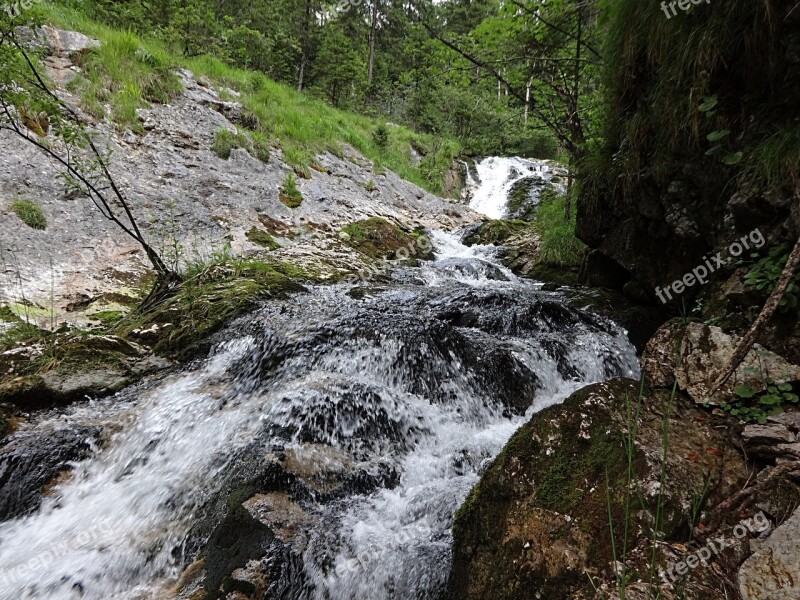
(290,194)
(559,246)
(226,141)
(775,161)
(30,213)
(127,72)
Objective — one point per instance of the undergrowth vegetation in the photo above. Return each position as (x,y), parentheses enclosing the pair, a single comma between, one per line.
(127,72)
(660,75)
(559,245)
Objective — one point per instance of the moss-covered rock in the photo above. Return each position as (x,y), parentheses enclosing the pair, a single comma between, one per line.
(262,238)
(182,325)
(377,239)
(497,232)
(537,524)
(63,367)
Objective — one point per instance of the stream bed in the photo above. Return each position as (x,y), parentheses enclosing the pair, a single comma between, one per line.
(319,452)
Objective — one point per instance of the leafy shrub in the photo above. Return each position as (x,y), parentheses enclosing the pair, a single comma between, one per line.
(30,213)
(765,273)
(755,408)
(381,138)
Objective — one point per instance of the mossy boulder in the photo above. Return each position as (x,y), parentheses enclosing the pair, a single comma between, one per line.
(377,239)
(537,523)
(497,232)
(182,325)
(520,244)
(63,367)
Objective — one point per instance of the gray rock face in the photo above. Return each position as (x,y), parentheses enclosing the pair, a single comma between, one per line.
(183,195)
(773,571)
(68,43)
(696,354)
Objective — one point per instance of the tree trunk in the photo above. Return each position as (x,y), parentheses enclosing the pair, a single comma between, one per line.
(304,50)
(373,39)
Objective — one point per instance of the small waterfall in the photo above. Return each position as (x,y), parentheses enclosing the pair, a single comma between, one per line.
(498,175)
(365,418)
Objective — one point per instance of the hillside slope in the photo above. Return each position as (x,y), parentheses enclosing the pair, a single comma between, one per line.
(191,202)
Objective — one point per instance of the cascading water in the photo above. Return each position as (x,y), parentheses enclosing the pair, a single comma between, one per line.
(498,176)
(356,422)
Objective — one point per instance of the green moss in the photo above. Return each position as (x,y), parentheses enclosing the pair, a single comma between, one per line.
(557,462)
(499,231)
(211,297)
(262,238)
(376,238)
(30,213)
(108,318)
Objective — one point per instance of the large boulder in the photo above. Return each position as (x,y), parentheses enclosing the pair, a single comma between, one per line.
(537,524)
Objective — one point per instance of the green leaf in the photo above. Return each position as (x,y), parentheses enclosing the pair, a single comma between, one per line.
(744,391)
(716,136)
(733,159)
(785,387)
(713,150)
(709,102)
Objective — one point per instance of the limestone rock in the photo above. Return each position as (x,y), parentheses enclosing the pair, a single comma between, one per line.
(768,434)
(68,43)
(168,172)
(695,355)
(772,572)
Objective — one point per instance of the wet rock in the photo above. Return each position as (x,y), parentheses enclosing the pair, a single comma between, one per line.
(695,355)
(70,367)
(379,239)
(536,525)
(30,461)
(771,573)
(519,242)
(472,268)
(599,270)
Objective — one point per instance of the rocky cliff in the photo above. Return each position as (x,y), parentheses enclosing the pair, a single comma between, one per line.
(190,202)
(701,144)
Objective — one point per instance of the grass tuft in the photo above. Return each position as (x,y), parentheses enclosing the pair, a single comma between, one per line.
(226,141)
(30,213)
(290,194)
